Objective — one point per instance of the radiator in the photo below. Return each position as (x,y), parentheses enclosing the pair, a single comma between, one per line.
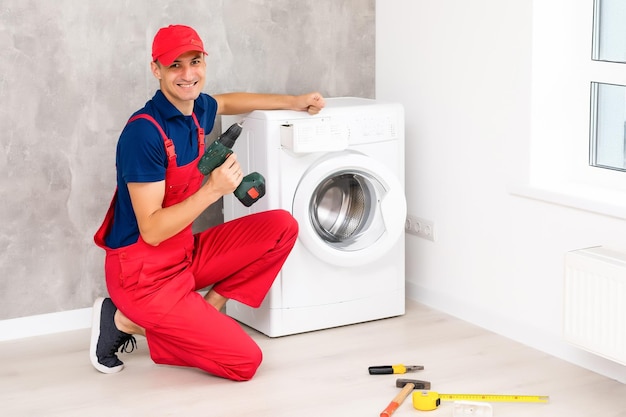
(595,301)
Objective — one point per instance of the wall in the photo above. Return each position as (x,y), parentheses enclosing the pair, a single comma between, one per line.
(72,72)
(463,71)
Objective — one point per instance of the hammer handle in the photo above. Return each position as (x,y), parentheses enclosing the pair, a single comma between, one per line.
(398,399)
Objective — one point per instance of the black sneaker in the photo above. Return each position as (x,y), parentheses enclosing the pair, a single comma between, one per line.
(106,339)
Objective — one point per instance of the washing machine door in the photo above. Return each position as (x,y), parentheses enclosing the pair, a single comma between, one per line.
(351,209)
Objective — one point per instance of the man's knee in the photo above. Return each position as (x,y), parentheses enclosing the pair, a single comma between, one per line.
(245,370)
(287,221)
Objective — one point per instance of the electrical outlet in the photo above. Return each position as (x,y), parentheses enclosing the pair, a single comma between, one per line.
(420,227)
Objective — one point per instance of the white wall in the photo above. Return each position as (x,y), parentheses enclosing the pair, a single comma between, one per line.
(463,71)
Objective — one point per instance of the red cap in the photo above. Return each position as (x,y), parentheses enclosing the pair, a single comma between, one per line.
(173,41)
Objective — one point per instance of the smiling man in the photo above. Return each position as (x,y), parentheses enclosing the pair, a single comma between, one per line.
(154,264)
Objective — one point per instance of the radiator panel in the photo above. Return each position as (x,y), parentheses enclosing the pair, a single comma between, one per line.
(595,301)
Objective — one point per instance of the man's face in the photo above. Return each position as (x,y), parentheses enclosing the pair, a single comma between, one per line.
(182,81)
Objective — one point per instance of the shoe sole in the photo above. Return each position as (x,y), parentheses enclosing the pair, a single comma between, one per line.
(95,335)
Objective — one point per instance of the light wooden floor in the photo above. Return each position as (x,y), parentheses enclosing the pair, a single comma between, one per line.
(317,374)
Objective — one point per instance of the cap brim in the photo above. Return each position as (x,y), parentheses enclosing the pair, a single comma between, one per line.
(169,57)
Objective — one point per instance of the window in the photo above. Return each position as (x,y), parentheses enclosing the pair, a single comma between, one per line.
(608,101)
(609,31)
(578,48)
(608,126)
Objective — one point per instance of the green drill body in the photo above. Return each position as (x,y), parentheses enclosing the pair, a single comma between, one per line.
(252,186)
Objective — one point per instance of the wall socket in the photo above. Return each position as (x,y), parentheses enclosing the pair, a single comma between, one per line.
(420,227)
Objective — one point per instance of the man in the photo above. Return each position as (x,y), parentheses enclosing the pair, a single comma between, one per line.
(154,264)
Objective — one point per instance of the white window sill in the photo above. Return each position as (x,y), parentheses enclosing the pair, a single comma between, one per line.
(600,201)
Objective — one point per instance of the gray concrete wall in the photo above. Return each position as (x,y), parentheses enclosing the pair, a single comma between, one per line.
(72,72)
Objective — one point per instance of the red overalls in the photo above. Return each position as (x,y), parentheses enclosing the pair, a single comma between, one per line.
(156,286)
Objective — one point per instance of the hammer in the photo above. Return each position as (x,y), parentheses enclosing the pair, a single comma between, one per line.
(407,386)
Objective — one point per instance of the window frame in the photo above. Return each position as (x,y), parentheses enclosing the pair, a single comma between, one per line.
(562,73)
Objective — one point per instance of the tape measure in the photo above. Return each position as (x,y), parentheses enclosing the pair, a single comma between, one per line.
(429,400)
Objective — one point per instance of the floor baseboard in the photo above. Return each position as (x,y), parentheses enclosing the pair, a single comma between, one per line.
(43,324)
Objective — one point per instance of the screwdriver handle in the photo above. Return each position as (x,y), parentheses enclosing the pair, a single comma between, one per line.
(387,369)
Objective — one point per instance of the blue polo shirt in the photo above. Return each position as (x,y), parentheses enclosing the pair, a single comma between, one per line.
(141,155)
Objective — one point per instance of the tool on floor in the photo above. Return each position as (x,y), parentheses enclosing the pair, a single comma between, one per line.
(407,386)
(472,408)
(252,186)
(430,400)
(393,369)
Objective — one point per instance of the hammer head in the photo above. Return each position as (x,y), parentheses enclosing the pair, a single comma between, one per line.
(401,382)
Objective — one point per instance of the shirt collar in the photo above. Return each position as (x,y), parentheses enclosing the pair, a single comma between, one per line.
(169,111)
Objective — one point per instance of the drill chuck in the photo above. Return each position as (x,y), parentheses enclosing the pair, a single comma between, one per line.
(229,137)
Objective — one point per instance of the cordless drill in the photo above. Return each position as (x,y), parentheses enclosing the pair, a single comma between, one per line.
(252,186)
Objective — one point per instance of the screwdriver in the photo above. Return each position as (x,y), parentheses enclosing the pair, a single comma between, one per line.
(393,369)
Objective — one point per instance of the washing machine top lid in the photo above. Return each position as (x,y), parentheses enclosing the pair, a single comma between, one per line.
(345,121)
(334,105)
(334,102)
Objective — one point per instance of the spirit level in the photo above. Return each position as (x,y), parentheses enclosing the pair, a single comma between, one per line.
(429,400)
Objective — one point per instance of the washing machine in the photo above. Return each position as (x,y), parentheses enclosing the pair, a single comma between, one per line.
(340,173)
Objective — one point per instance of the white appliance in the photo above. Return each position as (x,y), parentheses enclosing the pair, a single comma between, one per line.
(341,175)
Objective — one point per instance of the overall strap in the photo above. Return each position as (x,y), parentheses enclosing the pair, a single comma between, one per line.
(200,134)
(169,145)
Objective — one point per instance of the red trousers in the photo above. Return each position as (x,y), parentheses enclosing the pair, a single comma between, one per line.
(156,287)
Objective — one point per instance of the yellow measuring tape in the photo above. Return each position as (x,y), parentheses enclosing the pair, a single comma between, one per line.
(429,400)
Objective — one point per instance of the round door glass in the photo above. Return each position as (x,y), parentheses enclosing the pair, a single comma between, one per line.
(344,210)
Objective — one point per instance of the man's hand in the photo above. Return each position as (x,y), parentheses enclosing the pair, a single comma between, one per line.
(225,178)
(312,103)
